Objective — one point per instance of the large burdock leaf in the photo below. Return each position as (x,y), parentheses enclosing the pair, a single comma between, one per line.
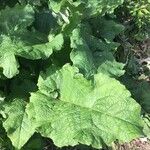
(17,124)
(70,109)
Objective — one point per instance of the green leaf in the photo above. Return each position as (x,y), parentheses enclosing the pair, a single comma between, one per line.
(16,18)
(16,40)
(105,28)
(146,129)
(36,142)
(108,65)
(20,87)
(30,47)
(142,94)
(81,55)
(88,8)
(7,57)
(10,65)
(56,5)
(110,29)
(5,143)
(56,42)
(140,91)
(92,55)
(33,2)
(17,125)
(77,110)
(45,22)
(96,7)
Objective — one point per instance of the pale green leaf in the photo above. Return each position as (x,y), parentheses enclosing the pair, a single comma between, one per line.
(9,64)
(17,125)
(56,5)
(146,129)
(7,57)
(87,112)
(56,42)
(30,47)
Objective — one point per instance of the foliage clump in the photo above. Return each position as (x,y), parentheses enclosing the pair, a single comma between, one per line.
(70,75)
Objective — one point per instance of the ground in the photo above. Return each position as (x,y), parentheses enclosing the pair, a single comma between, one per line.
(138,144)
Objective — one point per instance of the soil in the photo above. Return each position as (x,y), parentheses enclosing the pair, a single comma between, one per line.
(138,144)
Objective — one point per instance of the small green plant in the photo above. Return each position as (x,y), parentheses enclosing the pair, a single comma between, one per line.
(140,11)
